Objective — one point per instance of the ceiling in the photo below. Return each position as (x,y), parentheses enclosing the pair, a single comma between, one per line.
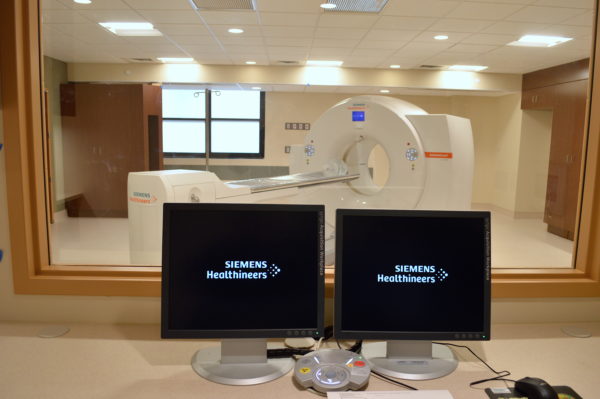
(298,30)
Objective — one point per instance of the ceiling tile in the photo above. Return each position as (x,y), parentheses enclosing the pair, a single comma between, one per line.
(488,11)
(589,4)
(515,28)
(450,58)
(147,40)
(340,33)
(459,25)
(382,44)
(345,20)
(420,50)
(213,60)
(305,6)
(282,50)
(472,48)
(288,19)
(192,39)
(230,17)
(567,30)
(157,4)
(112,16)
(362,62)
(586,19)
(170,16)
(488,38)
(236,40)
(337,43)
(89,33)
(419,8)
(63,17)
(375,53)
(97,5)
(53,5)
(547,15)
(212,48)
(289,41)
(394,35)
(287,31)
(249,30)
(183,29)
(454,37)
(237,49)
(409,23)
(334,53)
(242,58)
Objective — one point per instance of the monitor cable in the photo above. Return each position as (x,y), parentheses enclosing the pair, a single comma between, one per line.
(500,375)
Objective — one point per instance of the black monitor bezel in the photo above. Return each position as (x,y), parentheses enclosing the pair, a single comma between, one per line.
(411,335)
(303,331)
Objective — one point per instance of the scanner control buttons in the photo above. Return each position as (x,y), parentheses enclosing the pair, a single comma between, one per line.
(332,375)
(412,154)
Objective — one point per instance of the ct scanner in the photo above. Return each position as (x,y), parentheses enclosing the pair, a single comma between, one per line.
(430,160)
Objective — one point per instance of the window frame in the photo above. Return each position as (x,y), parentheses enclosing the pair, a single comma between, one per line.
(208,120)
(21,94)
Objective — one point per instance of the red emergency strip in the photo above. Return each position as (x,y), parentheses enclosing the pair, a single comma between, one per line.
(445,155)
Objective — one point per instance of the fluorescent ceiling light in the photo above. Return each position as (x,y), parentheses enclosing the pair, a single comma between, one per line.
(324,63)
(441,37)
(539,41)
(395,66)
(251,62)
(384,91)
(83,1)
(131,28)
(236,30)
(328,6)
(256,88)
(174,59)
(471,68)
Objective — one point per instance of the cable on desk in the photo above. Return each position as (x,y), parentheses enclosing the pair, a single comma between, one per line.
(499,374)
(392,381)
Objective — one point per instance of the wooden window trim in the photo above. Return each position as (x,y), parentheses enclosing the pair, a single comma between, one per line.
(20,77)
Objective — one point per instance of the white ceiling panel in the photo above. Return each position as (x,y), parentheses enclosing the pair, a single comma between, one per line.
(183,29)
(382,44)
(361,62)
(112,15)
(237,49)
(395,35)
(212,48)
(515,28)
(90,33)
(97,5)
(408,23)
(287,19)
(193,40)
(340,33)
(420,50)
(338,43)
(472,48)
(419,8)
(290,41)
(282,50)
(341,20)
(135,40)
(548,15)
(589,4)
(488,38)
(249,30)
(287,31)
(157,4)
(567,31)
(63,17)
(245,17)
(332,53)
(236,40)
(450,58)
(488,11)
(170,16)
(586,19)
(295,6)
(454,37)
(460,25)
(53,5)
(522,2)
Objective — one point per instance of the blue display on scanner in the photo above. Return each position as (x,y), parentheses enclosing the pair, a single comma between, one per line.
(358,116)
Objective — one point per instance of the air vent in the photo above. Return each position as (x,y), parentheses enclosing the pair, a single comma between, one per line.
(141,60)
(373,6)
(223,4)
(430,66)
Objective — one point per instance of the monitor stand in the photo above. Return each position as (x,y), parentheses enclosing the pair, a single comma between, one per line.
(410,360)
(240,362)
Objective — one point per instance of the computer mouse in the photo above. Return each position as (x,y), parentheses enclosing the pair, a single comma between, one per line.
(535,388)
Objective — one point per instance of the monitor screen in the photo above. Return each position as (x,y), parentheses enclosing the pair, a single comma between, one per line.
(242,271)
(412,275)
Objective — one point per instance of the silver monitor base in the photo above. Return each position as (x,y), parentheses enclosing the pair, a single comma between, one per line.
(240,362)
(410,360)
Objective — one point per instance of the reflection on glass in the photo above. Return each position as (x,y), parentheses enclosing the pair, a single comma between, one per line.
(235,137)
(183,136)
(183,102)
(235,104)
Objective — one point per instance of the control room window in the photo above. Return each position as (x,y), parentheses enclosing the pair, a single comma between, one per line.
(236,120)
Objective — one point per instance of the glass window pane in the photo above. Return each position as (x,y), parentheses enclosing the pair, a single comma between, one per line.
(180,102)
(235,104)
(183,136)
(235,137)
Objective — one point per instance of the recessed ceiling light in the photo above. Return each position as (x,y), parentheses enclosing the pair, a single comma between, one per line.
(539,41)
(384,91)
(471,68)
(328,6)
(131,28)
(441,37)
(83,1)
(256,88)
(236,30)
(324,63)
(175,59)
(251,62)
(395,66)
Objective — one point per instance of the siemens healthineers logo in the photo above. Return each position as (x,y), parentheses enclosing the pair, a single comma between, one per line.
(245,270)
(420,274)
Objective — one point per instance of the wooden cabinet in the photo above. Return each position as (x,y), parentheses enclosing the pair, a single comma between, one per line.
(109,130)
(565,93)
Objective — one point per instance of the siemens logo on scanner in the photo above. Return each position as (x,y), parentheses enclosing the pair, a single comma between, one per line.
(238,270)
(420,274)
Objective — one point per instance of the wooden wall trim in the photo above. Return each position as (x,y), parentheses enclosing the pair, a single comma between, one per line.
(22,110)
(572,71)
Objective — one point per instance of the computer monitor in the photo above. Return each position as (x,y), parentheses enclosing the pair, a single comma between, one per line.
(410,277)
(242,273)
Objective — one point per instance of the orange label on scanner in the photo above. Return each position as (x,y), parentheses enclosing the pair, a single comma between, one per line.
(443,155)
